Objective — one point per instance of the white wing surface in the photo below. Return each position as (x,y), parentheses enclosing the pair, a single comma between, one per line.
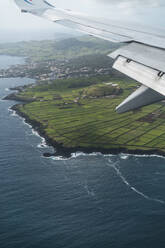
(142,58)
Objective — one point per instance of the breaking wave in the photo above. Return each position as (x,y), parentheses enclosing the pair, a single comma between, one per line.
(43,143)
(76,155)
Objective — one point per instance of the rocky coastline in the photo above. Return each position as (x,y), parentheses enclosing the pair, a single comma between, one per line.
(60,150)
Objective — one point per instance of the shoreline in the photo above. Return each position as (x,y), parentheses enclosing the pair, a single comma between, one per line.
(66,152)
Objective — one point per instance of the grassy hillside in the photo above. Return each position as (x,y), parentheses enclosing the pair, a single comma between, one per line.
(74,117)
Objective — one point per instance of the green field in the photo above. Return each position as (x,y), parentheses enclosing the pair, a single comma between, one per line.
(74,117)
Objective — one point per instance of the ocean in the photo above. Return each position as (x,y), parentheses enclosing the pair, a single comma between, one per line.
(86,201)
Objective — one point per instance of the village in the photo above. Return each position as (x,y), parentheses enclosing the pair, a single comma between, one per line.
(51,70)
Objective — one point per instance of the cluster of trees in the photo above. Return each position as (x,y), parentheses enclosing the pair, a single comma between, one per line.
(102,91)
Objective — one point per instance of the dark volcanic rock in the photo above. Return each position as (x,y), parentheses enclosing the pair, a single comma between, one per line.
(66,152)
(48,155)
(11,96)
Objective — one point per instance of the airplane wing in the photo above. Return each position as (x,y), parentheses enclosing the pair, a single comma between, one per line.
(142,56)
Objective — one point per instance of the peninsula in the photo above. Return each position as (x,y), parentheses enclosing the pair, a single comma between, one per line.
(79,115)
(72,104)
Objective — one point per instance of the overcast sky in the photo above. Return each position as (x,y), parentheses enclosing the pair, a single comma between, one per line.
(144,11)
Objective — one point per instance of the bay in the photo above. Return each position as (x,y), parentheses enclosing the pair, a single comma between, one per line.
(86,201)
(7,61)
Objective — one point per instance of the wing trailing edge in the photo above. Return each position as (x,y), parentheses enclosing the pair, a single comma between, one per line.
(141,97)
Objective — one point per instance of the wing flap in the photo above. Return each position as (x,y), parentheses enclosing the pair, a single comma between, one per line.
(147,76)
(142,54)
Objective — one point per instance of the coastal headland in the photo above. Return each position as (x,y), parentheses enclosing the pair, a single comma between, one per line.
(75,118)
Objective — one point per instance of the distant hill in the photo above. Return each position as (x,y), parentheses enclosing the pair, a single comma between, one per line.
(62,49)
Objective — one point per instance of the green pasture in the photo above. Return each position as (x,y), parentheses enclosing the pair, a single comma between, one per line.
(74,120)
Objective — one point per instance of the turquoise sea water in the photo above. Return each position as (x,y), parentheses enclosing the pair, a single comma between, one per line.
(87,201)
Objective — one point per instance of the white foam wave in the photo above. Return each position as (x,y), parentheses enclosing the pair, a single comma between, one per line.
(75,155)
(109,155)
(42,144)
(7,89)
(59,158)
(124,156)
(25,123)
(149,156)
(34,132)
(78,154)
(81,154)
(118,172)
(13,112)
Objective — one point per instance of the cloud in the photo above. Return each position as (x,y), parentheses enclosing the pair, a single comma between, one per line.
(132,3)
(138,10)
